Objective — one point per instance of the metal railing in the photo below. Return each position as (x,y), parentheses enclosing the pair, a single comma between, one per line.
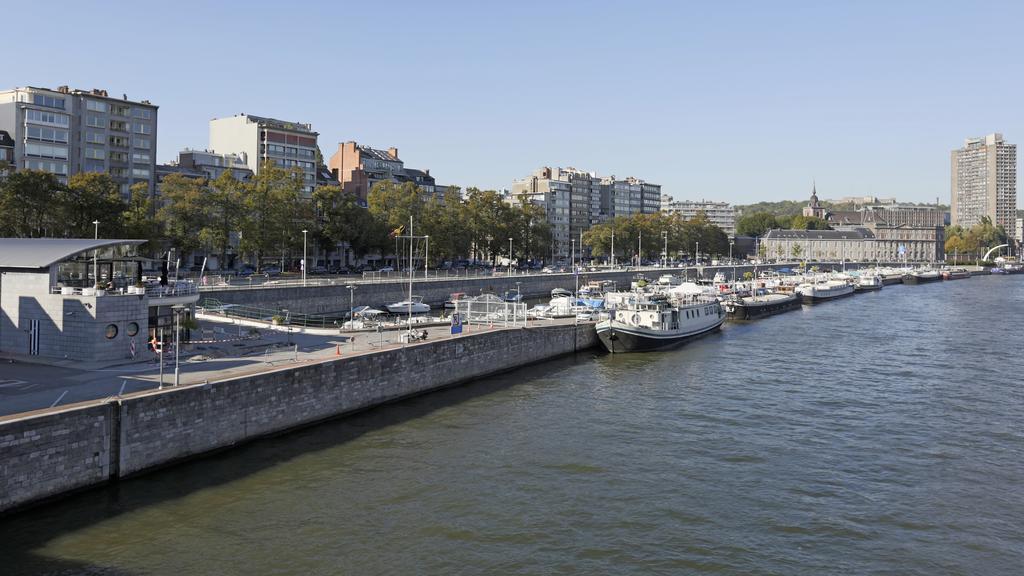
(269,315)
(172,290)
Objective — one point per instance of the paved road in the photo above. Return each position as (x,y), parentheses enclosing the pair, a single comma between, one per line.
(26,387)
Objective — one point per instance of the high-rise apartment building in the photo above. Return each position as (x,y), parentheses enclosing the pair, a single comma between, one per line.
(574,200)
(67,131)
(258,140)
(721,214)
(984,182)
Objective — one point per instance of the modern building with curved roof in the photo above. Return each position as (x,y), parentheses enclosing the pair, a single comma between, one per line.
(82,299)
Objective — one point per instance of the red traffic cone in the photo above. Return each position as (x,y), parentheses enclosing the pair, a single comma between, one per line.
(337,350)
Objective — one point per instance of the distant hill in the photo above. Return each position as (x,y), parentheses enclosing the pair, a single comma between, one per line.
(796,207)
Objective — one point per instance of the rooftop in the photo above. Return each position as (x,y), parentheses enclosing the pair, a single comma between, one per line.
(36,253)
(855,234)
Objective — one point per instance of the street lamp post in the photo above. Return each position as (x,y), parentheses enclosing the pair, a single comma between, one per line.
(351,307)
(509,257)
(304,257)
(613,248)
(96,255)
(730,250)
(177,339)
(426,257)
(572,255)
(664,252)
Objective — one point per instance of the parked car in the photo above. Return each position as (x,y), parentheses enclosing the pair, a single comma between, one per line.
(387,269)
(318,270)
(272,271)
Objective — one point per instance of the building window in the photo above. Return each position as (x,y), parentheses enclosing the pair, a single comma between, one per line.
(95,153)
(46,151)
(47,166)
(95,121)
(96,106)
(141,143)
(42,117)
(48,101)
(133,328)
(142,113)
(48,134)
(95,138)
(111,331)
(140,173)
(143,129)
(140,158)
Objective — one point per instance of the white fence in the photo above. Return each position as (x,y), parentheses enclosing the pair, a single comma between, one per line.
(491,310)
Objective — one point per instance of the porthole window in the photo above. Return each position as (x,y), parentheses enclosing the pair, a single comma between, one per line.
(111,331)
(133,328)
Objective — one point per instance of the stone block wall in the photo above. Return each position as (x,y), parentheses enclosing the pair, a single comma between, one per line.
(50,454)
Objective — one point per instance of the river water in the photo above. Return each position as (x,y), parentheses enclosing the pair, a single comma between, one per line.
(880,434)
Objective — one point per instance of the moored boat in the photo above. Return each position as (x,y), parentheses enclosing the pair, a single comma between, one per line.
(760,306)
(955,274)
(817,292)
(453,298)
(647,322)
(921,277)
(868,282)
(413,305)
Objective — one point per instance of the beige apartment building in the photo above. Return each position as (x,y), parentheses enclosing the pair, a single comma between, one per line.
(983,179)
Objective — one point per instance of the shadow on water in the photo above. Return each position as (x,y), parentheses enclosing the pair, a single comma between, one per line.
(23,533)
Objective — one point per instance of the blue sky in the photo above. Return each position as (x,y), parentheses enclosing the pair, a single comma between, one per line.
(734,101)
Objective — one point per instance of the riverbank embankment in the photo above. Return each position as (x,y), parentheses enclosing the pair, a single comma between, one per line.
(48,453)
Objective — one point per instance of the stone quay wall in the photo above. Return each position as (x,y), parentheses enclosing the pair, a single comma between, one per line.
(47,454)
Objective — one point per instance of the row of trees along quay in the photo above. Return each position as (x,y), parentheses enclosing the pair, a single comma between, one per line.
(265,217)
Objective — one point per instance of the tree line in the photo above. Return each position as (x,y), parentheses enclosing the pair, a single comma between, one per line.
(758,223)
(263,218)
(973,242)
(648,235)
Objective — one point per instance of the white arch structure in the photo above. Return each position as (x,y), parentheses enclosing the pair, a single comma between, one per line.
(989,253)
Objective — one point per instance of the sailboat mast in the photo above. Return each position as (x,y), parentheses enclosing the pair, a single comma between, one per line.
(411,271)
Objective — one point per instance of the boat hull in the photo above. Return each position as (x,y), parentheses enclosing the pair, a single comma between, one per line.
(867,287)
(752,310)
(819,298)
(918,279)
(404,309)
(618,338)
(890,280)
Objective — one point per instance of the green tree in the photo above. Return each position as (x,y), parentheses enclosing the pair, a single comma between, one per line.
(182,212)
(756,224)
(444,220)
(797,250)
(801,222)
(489,223)
(393,203)
(92,196)
(29,204)
(224,207)
(138,220)
(342,219)
(275,213)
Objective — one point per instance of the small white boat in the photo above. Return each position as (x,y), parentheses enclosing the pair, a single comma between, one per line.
(866,282)
(453,298)
(414,305)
